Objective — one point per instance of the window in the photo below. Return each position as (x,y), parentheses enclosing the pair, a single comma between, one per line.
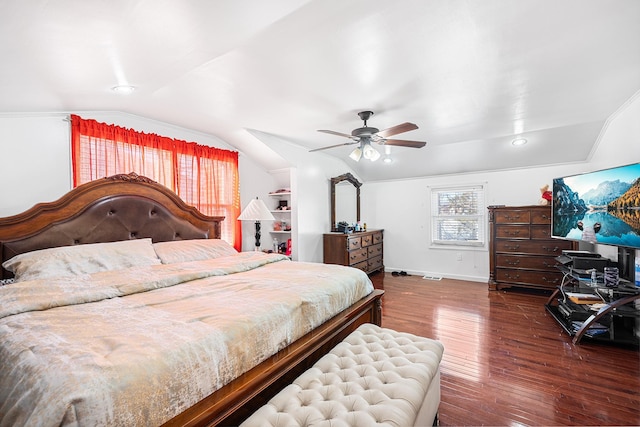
(204,177)
(457,216)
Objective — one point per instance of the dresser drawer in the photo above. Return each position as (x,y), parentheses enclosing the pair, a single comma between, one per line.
(526,262)
(540,279)
(357,256)
(377,237)
(364,266)
(512,216)
(375,263)
(534,247)
(354,243)
(361,250)
(541,217)
(512,231)
(541,231)
(375,250)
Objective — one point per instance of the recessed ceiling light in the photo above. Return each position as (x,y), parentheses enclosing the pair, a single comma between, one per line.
(123,89)
(387,160)
(518,141)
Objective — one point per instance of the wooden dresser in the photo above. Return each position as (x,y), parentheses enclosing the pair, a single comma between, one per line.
(361,250)
(521,250)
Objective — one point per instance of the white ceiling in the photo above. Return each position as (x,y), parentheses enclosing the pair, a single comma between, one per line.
(473,75)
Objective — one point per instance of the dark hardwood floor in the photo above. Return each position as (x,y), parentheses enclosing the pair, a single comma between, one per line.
(507,362)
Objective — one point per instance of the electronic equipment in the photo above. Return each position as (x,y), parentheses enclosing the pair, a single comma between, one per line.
(580,253)
(590,263)
(582,262)
(598,207)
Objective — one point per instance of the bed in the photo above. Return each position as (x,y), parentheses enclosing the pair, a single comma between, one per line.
(129,310)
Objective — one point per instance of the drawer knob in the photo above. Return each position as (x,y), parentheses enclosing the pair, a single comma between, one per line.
(513,262)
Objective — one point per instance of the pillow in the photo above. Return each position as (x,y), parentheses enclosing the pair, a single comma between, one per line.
(192,250)
(68,261)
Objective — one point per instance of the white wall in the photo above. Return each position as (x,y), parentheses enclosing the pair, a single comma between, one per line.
(254,182)
(36,159)
(311,188)
(619,144)
(401,207)
(35,167)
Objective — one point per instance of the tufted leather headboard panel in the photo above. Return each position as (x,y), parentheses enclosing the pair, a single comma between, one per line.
(112,209)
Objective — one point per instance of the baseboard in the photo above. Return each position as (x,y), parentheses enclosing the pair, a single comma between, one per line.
(436,274)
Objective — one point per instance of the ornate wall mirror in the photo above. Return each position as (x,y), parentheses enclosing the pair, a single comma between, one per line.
(345,200)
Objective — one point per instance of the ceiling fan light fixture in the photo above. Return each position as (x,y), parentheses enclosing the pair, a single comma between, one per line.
(365,135)
(370,153)
(356,154)
(123,89)
(518,142)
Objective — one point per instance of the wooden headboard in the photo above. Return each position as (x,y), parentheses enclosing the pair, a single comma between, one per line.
(119,207)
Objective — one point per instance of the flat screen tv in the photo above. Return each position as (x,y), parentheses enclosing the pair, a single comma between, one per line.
(599,207)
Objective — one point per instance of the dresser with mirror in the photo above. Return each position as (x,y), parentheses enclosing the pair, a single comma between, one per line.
(361,249)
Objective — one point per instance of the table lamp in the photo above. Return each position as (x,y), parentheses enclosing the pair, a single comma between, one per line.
(256,211)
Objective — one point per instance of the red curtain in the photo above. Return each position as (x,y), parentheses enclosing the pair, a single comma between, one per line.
(204,177)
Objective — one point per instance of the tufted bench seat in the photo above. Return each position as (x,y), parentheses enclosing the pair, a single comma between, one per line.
(375,376)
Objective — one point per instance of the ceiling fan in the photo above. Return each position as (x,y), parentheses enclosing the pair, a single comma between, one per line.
(365,135)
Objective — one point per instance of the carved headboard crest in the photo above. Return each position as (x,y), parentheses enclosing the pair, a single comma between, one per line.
(131,177)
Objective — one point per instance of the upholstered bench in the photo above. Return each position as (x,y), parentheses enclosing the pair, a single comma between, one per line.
(375,376)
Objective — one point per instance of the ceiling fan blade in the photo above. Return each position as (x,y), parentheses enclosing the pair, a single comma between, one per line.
(404,143)
(333,132)
(333,146)
(404,127)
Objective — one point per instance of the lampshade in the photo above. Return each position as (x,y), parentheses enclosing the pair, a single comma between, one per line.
(370,153)
(356,154)
(256,210)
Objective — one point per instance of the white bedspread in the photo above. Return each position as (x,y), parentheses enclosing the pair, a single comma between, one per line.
(139,346)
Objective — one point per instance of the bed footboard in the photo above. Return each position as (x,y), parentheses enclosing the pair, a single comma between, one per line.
(236,401)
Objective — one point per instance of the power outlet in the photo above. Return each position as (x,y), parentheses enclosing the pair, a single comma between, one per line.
(459,256)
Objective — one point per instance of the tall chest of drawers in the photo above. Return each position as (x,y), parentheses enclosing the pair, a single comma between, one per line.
(361,250)
(521,250)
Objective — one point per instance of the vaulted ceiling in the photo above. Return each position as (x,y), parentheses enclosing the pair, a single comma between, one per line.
(473,75)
